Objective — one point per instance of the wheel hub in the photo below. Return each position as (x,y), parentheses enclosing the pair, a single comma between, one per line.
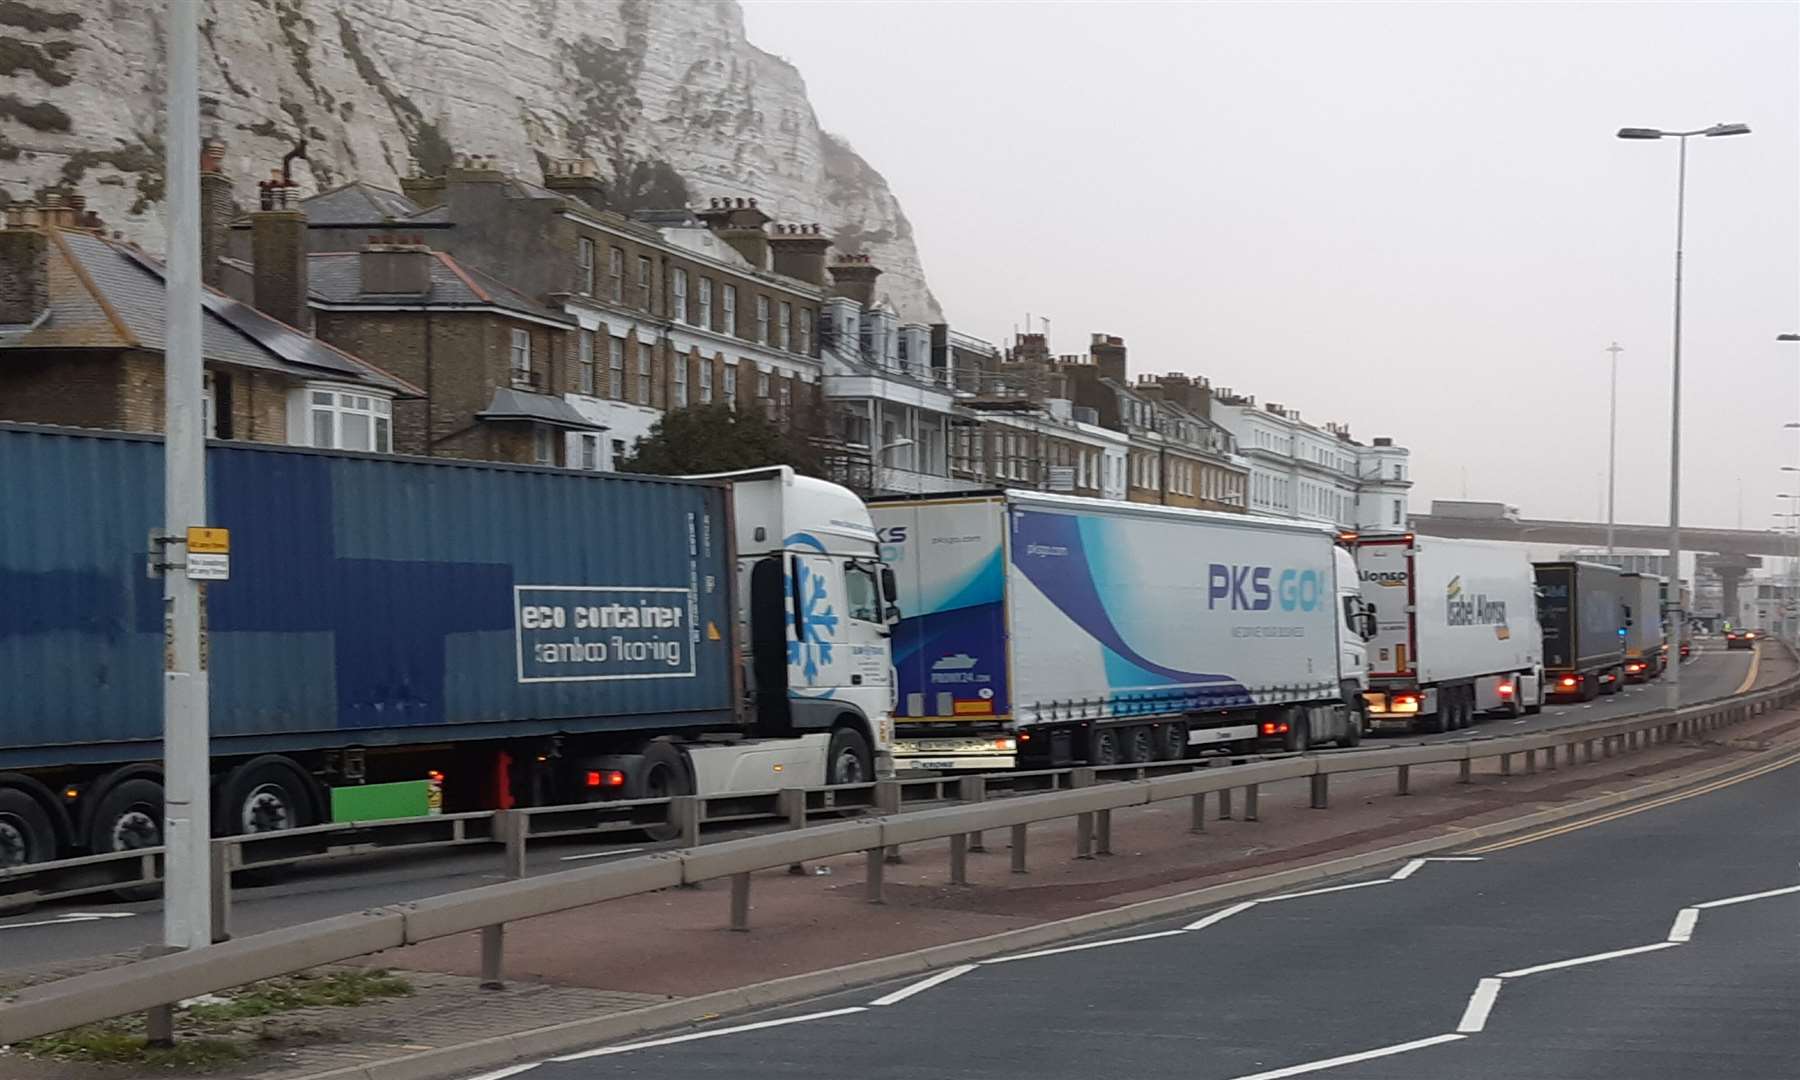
(847,769)
(266,810)
(14,851)
(135,828)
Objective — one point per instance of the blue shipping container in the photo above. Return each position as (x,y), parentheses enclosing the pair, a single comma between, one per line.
(371,600)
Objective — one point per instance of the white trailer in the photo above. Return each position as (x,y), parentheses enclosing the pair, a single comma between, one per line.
(1103,632)
(1456,631)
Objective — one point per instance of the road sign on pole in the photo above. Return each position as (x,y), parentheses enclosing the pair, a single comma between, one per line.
(187,810)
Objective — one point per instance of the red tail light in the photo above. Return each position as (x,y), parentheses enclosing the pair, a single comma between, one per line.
(605,778)
(1506,689)
(1568,680)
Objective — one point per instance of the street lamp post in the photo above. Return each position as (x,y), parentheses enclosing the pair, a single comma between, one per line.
(1612,444)
(1715,131)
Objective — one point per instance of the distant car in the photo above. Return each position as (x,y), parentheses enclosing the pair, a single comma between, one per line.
(1741,639)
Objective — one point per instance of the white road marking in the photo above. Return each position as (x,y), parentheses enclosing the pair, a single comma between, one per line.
(1481,1002)
(1219,916)
(1331,889)
(1683,930)
(598,855)
(923,985)
(1413,866)
(70,919)
(1594,959)
(1083,946)
(692,1036)
(1728,901)
(1350,1059)
(510,1070)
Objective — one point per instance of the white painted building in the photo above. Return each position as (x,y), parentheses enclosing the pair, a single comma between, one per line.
(1313,473)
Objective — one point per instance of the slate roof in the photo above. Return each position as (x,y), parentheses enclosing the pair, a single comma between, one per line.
(334,277)
(109,295)
(510,404)
(357,203)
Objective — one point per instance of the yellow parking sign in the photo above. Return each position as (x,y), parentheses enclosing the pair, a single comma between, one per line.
(205,541)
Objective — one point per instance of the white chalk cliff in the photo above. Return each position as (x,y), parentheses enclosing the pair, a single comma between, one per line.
(668,97)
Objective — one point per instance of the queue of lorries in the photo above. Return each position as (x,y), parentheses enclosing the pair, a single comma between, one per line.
(405,636)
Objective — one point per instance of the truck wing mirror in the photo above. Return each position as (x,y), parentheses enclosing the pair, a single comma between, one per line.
(892,615)
(890,588)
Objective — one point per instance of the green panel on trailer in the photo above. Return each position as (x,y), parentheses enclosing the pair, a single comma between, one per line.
(378,802)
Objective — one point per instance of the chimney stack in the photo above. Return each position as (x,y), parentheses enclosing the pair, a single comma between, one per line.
(576,177)
(739,222)
(396,266)
(1108,352)
(798,251)
(853,276)
(215,212)
(278,249)
(24,271)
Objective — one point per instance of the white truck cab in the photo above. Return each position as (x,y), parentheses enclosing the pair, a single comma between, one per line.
(815,608)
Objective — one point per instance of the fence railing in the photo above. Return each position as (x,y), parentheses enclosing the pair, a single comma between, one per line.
(24,886)
(153,984)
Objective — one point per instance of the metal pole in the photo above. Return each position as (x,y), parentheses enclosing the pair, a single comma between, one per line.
(1674,678)
(187,894)
(1612,446)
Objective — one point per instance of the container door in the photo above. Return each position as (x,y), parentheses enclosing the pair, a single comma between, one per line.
(1386,573)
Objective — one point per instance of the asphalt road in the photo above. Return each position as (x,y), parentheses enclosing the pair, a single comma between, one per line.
(55,934)
(1434,976)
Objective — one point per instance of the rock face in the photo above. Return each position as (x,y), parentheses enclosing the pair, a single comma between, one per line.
(666,96)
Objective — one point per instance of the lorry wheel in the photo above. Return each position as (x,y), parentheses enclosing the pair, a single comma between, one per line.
(1299,738)
(26,833)
(1103,746)
(1612,687)
(848,760)
(1465,707)
(1440,720)
(1171,742)
(665,776)
(265,794)
(129,817)
(1354,731)
(1137,744)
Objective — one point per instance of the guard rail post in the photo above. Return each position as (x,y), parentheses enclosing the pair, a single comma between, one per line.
(1084,822)
(511,825)
(222,861)
(1018,849)
(1103,832)
(684,814)
(1321,790)
(1250,793)
(973,789)
(1198,825)
(1403,780)
(1465,771)
(790,803)
(1505,764)
(1224,804)
(159,1020)
(1587,751)
(872,870)
(887,801)
(959,859)
(1569,753)
(1550,758)
(1530,762)
(740,901)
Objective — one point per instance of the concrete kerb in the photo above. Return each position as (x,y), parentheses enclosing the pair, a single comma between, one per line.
(501,1051)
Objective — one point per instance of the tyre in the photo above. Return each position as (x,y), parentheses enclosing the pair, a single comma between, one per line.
(848,760)
(1515,706)
(129,816)
(265,794)
(1171,741)
(1590,688)
(1103,746)
(664,775)
(1299,738)
(1610,688)
(1137,744)
(27,835)
(1353,731)
(1441,719)
(1465,712)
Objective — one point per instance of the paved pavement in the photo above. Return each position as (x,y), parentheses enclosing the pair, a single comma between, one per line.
(1432,971)
(60,934)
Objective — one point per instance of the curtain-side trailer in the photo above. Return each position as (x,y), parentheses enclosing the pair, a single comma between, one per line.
(1057,630)
(1581,607)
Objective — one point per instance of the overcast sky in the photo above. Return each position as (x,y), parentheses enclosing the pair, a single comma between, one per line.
(1410,217)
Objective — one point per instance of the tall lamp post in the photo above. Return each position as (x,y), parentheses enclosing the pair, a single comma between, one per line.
(1679,618)
(1612,444)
